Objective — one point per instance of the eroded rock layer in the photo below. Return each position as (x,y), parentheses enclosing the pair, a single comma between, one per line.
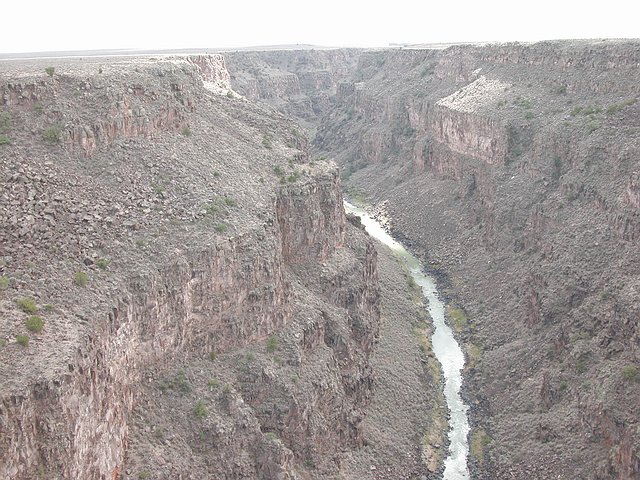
(200,294)
(513,170)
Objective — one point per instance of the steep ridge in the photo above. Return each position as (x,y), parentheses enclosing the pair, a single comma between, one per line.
(513,170)
(191,268)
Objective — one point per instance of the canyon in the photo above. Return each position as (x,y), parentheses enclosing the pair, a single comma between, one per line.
(511,170)
(210,311)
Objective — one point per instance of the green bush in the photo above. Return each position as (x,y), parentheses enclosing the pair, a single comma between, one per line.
(27,305)
(271,436)
(213,356)
(81,279)
(266,142)
(103,263)
(34,324)
(220,228)
(52,134)
(186,131)
(4,140)
(4,282)
(231,202)
(5,122)
(630,373)
(50,71)
(273,343)
(199,410)
(22,340)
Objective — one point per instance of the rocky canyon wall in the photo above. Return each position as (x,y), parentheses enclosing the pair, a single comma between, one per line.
(512,170)
(139,227)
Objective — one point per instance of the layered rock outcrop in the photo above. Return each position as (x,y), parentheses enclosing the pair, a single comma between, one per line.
(173,245)
(511,169)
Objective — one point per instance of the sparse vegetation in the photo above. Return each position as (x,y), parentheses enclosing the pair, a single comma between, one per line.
(220,227)
(230,202)
(631,373)
(34,324)
(458,318)
(523,102)
(27,305)
(199,410)
(266,142)
(273,343)
(50,71)
(4,140)
(479,440)
(4,282)
(52,134)
(294,176)
(5,122)
(178,382)
(186,131)
(213,356)
(140,242)
(22,340)
(593,125)
(103,263)
(157,188)
(213,382)
(81,279)
(271,436)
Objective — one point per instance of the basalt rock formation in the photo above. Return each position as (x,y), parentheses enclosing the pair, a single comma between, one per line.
(513,170)
(204,309)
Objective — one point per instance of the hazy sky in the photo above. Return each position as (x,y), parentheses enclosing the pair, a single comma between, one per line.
(77,25)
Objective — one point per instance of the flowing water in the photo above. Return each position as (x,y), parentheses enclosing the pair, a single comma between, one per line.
(445,348)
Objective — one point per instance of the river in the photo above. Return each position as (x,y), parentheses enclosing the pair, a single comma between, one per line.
(445,348)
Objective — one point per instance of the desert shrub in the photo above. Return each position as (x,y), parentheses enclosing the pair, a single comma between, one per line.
(22,340)
(5,122)
(199,410)
(231,202)
(50,71)
(179,382)
(213,382)
(273,343)
(213,356)
(27,305)
(630,373)
(52,134)
(220,227)
(271,436)
(266,142)
(186,131)
(103,263)
(81,279)
(34,324)
(4,140)
(4,282)
(592,126)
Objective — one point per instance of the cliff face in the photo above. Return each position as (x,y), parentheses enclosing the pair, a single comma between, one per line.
(513,170)
(154,246)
